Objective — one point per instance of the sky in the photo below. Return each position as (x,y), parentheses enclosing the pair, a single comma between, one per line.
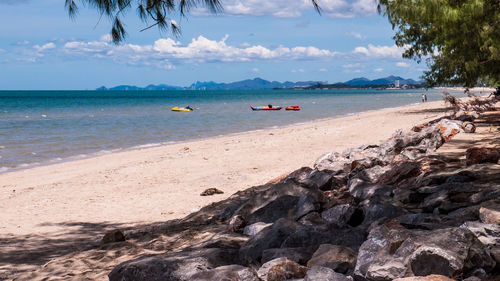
(42,48)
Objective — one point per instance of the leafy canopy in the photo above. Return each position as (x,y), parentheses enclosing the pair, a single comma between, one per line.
(460,39)
(152,12)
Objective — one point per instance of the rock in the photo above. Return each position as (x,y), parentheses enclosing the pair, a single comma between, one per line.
(236,224)
(477,155)
(488,234)
(469,127)
(298,176)
(179,266)
(339,215)
(467,214)
(363,190)
(319,273)
(448,197)
(225,240)
(227,273)
(313,218)
(334,162)
(113,236)
(427,221)
(400,171)
(319,179)
(419,127)
(341,259)
(378,210)
(375,242)
(298,255)
(307,204)
(279,201)
(449,128)
(269,237)
(372,174)
(281,269)
(312,236)
(432,277)
(490,212)
(452,252)
(339,196)
(253,229)
(211,191)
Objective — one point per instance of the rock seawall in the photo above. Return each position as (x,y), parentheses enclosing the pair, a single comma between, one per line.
(376,212)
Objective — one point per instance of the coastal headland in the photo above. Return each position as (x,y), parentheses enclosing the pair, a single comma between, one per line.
(53,217)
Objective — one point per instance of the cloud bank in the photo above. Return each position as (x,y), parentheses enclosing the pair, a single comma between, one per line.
(296,8)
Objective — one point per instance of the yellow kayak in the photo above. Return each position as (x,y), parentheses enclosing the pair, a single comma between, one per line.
(181,109)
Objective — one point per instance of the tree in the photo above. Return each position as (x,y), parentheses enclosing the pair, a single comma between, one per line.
(460,39)
(152,12)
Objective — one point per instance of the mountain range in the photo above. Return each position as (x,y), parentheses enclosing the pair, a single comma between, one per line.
(261,84)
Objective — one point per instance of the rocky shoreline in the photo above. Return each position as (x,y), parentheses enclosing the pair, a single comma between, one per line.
(376,212)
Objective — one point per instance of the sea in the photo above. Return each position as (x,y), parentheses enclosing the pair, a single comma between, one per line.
(44,127)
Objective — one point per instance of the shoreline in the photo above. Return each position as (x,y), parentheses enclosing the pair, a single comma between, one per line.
(155,184)
(80,156)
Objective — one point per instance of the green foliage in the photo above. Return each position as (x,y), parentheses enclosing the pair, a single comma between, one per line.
(152,12)
(460,39)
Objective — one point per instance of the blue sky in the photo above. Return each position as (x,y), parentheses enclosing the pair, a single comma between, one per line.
(282,40)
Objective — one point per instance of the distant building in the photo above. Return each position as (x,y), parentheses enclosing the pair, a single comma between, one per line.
(396,83)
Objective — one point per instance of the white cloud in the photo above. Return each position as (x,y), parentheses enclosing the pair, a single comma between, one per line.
(45,47)
(168,52)
(298,70)
(402,64)
(379,51)
(296,8)
(351,65)
(255,69)
(356,35)
(323,69)
(380,69)
(3,51)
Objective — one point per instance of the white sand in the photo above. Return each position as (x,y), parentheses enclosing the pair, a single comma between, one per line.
(163,183)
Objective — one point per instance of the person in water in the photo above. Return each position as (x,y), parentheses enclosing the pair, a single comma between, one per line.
(189,107)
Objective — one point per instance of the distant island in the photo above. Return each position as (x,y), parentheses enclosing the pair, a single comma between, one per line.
(261,84)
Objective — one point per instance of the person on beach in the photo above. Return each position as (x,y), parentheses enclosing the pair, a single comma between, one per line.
(423,97)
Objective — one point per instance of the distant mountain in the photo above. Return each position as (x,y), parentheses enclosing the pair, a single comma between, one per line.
(381,81)
(249,84)
(261,84)
(161,87)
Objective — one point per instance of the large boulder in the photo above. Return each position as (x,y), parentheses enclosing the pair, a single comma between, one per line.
(173,266)
(362,190)
(253,229)
(478,155)
(270,237)
(490,212)
(227,273)
(298,255)
(319,273)
(312,237)
(449,128)
(339,215)
(390,254)
(281,269)
(278,201)
(341,259)
(488,234)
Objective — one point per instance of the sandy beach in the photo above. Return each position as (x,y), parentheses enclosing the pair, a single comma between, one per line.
(162,183)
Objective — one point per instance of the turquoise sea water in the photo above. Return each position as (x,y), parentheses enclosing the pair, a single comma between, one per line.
(39,127)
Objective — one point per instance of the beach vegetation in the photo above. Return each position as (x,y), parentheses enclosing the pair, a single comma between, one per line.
(459,39)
